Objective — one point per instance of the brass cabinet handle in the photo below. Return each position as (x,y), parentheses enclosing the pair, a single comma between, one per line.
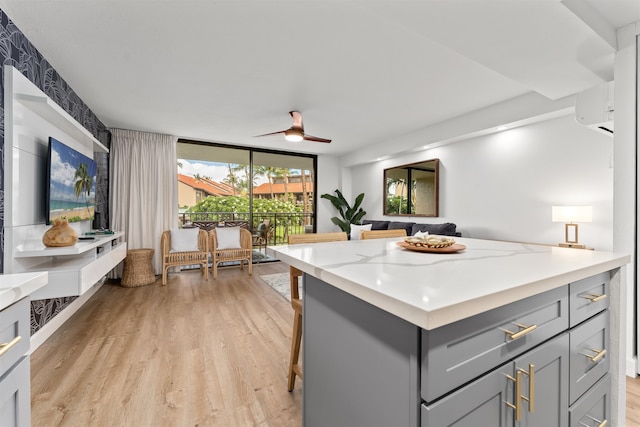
(524,330)
(594,297)
(601,423)
(532,387)
(517,395)
(4,347)
(599,354)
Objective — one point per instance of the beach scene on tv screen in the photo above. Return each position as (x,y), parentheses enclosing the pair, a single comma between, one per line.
(72,184)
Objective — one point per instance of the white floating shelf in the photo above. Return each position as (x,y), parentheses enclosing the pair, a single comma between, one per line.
(52,112)
(35,248)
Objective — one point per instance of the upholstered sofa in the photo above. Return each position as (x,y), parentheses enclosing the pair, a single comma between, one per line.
(443,229)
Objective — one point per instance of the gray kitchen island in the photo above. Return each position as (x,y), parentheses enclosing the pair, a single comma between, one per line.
(497,334)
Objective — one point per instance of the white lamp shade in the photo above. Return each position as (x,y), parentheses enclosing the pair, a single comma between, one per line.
(571,214)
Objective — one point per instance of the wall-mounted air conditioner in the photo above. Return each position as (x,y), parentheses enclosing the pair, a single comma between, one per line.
(594,108)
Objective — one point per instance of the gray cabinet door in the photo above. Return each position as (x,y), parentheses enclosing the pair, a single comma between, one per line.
(549,367)
(481,403)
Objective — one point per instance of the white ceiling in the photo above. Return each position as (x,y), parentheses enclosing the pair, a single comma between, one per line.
(360,72)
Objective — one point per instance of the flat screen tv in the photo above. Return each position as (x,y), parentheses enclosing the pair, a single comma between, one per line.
(71,184)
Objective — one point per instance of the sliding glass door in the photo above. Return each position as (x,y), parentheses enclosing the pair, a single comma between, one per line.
(283,193)
(270,193)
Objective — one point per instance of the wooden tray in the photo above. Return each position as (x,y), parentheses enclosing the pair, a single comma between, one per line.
(456,247)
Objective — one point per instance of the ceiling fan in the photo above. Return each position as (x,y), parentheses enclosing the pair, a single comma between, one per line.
(296,132)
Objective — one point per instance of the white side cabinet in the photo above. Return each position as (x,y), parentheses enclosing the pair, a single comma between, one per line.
(74,269)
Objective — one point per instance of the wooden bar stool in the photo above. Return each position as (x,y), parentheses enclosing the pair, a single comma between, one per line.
(296,302)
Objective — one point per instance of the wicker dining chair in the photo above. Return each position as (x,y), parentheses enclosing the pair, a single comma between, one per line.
(296,302)
(241,254)
(173,258)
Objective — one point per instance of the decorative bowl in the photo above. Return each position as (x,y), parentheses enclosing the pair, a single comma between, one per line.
(429,241)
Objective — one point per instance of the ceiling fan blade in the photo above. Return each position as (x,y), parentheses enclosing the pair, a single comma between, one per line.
(272,133)
(297,119)
(315,139)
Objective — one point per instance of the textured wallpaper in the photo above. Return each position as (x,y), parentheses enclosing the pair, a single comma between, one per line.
(17,51)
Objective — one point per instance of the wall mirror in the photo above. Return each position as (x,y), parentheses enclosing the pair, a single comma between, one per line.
(412,189)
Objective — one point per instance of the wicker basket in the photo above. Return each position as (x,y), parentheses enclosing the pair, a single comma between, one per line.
(138,268)
(441,242)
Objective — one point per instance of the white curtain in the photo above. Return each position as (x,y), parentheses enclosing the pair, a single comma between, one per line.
(144,188)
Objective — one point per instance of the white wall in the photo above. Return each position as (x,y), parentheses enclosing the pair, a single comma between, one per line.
(502,186)
(330,180)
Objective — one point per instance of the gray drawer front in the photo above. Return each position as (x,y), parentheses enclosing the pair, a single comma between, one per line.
(588,297)
(586,342)
(457,353)
(14,322)
(15,398)
(594,407)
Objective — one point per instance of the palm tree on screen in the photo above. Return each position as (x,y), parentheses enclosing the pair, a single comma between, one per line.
(83,183)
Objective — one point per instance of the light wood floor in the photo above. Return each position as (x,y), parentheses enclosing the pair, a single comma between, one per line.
(193,353)
(633,402)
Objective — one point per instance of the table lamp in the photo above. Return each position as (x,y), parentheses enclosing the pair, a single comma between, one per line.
(570,215)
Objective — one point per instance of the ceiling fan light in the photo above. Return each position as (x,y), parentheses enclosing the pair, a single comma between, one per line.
(293,135)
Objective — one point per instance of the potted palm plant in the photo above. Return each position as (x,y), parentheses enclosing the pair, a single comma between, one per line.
(348,214)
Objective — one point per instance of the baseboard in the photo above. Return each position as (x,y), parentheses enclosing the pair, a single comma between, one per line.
(632,367)
(51,326)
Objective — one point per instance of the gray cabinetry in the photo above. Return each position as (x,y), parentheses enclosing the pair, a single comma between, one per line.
(360,363)
(519,365)
(588,297)
(457,353)
(544,385)
(589,361)
(594,408)
(529,391)
(481,403)
(15,400)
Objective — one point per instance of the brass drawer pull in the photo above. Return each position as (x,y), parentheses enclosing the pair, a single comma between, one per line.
(4,347)
(532,387)
(518,394)
(524,330)
(601,423)
(599,354)
(594,297)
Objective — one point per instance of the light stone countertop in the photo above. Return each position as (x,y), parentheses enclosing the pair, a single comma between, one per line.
(14,287)
(431,290)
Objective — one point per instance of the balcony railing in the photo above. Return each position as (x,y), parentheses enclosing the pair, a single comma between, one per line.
(281,223)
